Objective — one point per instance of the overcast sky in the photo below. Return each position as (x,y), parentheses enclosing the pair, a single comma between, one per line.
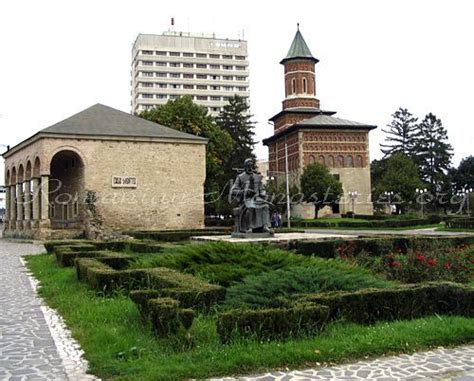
(60,57)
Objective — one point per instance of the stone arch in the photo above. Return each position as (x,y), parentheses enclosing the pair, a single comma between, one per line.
(349,161)
(21,173)
(7,177)
(359,161)
(321,160)
(340,161)
(37,167)
(13,178)
(330,161)
(66,188)
(28,170)
(69,148)
(311,159)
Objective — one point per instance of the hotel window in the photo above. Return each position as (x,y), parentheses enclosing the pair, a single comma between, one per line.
(201,76)
(214,56)
(293,86)
(227,67)
(147,96)
(215,87)
(161,85)
(228,88)
(174,96)
(240,68)
(228,77)
(215,66)
(175,64)
(201,66)
(241,88)
(159,63)
(175,75)
(227,57)
(188,87)
(161,75)
(201,55)
(158,53)
(161,96)
(188,54)
(215,98)
(202,97)
(147,52)
(147,73)
(241,78)
(188,65)
(215,77)
(188,76)
(304,86)
(175,54)
(201,87)
(146,84)
(240,57)
(147,63)
(175,86)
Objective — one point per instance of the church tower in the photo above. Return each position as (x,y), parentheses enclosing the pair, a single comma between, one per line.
(311,134)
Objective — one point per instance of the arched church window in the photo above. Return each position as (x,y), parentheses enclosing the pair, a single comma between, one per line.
(305,89)
(311,159)
(293,86)
(330,161)
(359,161)
(321,160)
(349,161)
(340,162)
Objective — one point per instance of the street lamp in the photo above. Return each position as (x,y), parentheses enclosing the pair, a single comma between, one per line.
(421,192)
(353,196)
(466,194)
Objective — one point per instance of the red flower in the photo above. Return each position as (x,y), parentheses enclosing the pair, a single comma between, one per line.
(447,266)
(432,262)
(420,258)
(395,264)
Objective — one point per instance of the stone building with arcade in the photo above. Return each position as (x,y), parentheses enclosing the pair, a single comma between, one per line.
(137,174)
(311,134)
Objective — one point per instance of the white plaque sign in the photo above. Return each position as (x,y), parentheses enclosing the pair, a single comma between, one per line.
(124,182)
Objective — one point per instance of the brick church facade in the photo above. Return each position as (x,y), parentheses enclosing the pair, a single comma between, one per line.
(315,135)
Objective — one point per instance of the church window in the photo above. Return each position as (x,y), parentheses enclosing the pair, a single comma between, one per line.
(321,160)
(304,86)
(359,161)
(293,86)
(311,159)
(340,161)
(330,163)
(349,161)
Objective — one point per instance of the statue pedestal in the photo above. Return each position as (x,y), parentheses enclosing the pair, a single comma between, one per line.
(252,235)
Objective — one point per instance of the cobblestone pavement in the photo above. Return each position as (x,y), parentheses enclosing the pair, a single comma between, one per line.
(34,344)
(442,364)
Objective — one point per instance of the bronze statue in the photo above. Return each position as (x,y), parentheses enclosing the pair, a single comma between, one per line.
(252,214)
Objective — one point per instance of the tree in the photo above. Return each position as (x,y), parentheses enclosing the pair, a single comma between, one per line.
(463,175)
(401,177)
(319,187)
(377,171)
(237,122)
(433,153)
(277,195)
(401,133)
(184,115)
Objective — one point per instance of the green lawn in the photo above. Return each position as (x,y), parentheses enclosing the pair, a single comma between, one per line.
(118,345)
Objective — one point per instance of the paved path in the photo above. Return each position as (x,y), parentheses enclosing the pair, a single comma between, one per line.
(442,364)
(28,350)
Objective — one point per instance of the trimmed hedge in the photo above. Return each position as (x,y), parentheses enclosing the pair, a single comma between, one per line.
(406,302)
(460,223)
(51,245)
(175,235)
(273,323)
(65,255)
(190,291)
(374,246)
(165,313)
(385,223)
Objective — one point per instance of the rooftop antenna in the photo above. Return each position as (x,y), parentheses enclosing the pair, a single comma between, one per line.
(298,26)
(172,24)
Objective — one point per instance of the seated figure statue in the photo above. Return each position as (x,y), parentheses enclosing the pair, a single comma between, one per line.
(252,214)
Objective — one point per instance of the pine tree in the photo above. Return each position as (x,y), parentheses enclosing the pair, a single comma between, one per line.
(236,120)
(433,153)
(400,135)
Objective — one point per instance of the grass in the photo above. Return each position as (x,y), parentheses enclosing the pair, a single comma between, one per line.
(119,347)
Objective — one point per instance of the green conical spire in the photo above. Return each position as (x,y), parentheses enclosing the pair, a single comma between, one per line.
(298,49)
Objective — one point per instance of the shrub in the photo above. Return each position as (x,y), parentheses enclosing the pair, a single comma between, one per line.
(274,323)
(461,223)
(65,255)
(406,302)
(175,235)
(51,245)
(264,290)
